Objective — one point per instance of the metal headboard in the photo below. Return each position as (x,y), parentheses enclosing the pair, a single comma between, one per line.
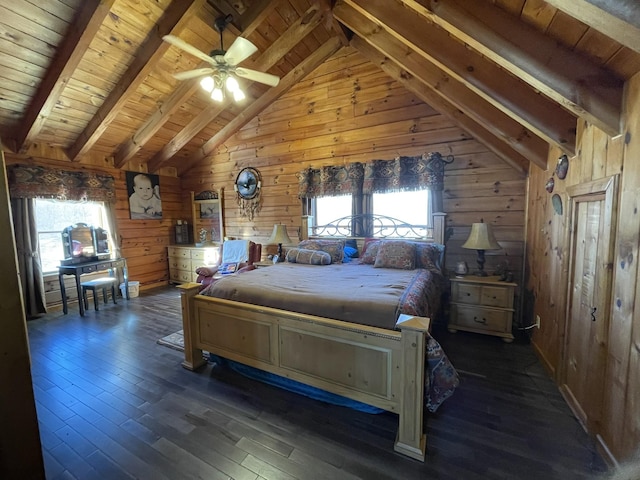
(371,225)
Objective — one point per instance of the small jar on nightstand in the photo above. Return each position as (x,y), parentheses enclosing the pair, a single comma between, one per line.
(482,305)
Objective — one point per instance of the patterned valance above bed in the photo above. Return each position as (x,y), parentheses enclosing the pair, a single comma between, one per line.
(376,176)
(39,182)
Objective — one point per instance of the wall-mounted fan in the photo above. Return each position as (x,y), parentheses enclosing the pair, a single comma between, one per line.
(224,65)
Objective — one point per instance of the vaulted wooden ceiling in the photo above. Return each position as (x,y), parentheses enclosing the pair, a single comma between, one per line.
(89,80)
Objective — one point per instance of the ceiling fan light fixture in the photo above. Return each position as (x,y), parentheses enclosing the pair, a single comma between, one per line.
(232,84)
(217,94)
(207,83)
(238,95)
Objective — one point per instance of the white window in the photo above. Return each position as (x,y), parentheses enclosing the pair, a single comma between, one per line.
(410,207)
(328,209)
(53,216)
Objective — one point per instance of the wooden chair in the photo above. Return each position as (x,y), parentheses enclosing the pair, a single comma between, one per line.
(96,284)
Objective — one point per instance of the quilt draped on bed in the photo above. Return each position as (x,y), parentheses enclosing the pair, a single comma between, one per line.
(351,292)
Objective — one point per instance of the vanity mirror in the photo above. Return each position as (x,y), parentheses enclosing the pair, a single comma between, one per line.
(208,221)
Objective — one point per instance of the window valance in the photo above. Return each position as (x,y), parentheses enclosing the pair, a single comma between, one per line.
(27,181)
(376,176)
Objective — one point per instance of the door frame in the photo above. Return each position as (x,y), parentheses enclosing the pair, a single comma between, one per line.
(607,190)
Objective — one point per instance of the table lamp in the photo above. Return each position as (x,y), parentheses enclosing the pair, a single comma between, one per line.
(481,238)
(279,236)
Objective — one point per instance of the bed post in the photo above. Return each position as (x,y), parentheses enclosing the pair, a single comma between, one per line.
(411,439)
(192,356)
(305,227)
(439,227)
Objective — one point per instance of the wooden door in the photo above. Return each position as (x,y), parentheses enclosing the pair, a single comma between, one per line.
(590,276)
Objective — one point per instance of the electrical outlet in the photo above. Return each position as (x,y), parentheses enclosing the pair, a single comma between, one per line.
(538,321)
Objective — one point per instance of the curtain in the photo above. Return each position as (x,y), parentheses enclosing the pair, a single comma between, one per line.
(375,176)
(27,181)
(29,265)
(404,174)
(331,181)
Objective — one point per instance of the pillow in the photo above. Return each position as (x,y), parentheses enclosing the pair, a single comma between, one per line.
(396,254)
(428,255)
(370,251)
(335,248)
(349,253)
(351,242)
(307,256)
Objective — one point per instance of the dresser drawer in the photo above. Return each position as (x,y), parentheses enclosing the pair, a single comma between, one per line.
(466,293)
(179,252)
(496,296)
(181,276)
(482,318)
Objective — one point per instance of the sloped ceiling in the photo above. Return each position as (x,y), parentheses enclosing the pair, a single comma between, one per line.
(89,80)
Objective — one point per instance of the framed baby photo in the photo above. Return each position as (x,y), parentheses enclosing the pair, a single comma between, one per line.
(143,190)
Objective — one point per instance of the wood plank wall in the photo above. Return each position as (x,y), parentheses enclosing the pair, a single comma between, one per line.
(598,156)
(143,242)
(348,110)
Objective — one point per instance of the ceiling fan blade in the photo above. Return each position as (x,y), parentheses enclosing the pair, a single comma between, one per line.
(178,42)
(239,50)
(198,72)
(256,76)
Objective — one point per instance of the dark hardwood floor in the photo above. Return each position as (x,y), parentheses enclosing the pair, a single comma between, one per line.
(112,403)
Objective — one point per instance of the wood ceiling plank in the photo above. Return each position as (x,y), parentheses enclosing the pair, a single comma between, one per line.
(506,92)
(294,34)
(176,17)
(479,131)
(286,83)
(617,19)
(571,80)
(452,93)
(68,57)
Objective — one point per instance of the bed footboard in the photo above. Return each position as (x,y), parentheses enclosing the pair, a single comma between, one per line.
(378,367)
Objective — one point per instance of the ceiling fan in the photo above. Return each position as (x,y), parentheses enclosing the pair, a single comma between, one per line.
(224,65)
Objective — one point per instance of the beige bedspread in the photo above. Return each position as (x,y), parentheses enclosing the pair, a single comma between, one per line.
(350,292)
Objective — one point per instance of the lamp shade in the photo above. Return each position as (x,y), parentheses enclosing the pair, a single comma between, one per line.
(481,238)
(279,235)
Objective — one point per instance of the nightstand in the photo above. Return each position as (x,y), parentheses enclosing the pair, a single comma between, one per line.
(482,305)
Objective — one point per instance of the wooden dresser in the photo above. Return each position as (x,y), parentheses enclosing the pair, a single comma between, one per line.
(184,259)
(482,305)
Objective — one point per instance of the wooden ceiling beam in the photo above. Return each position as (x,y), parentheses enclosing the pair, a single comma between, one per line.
(521,140)
(617,19)
(82,29)
(571,80)
(254,16)
(506,92)
(278,49)
(416,86)
(176,17)
(305,67)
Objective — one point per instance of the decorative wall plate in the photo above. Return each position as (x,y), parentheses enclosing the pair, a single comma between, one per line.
(563,167)
(550,184)
(247,187)
(556,200)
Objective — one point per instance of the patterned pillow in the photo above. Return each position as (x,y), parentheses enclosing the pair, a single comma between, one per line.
(335,248)
(428,256)
(310,257)
(370,251)
(396,254)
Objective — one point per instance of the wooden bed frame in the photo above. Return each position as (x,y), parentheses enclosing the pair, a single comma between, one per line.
(379,367)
